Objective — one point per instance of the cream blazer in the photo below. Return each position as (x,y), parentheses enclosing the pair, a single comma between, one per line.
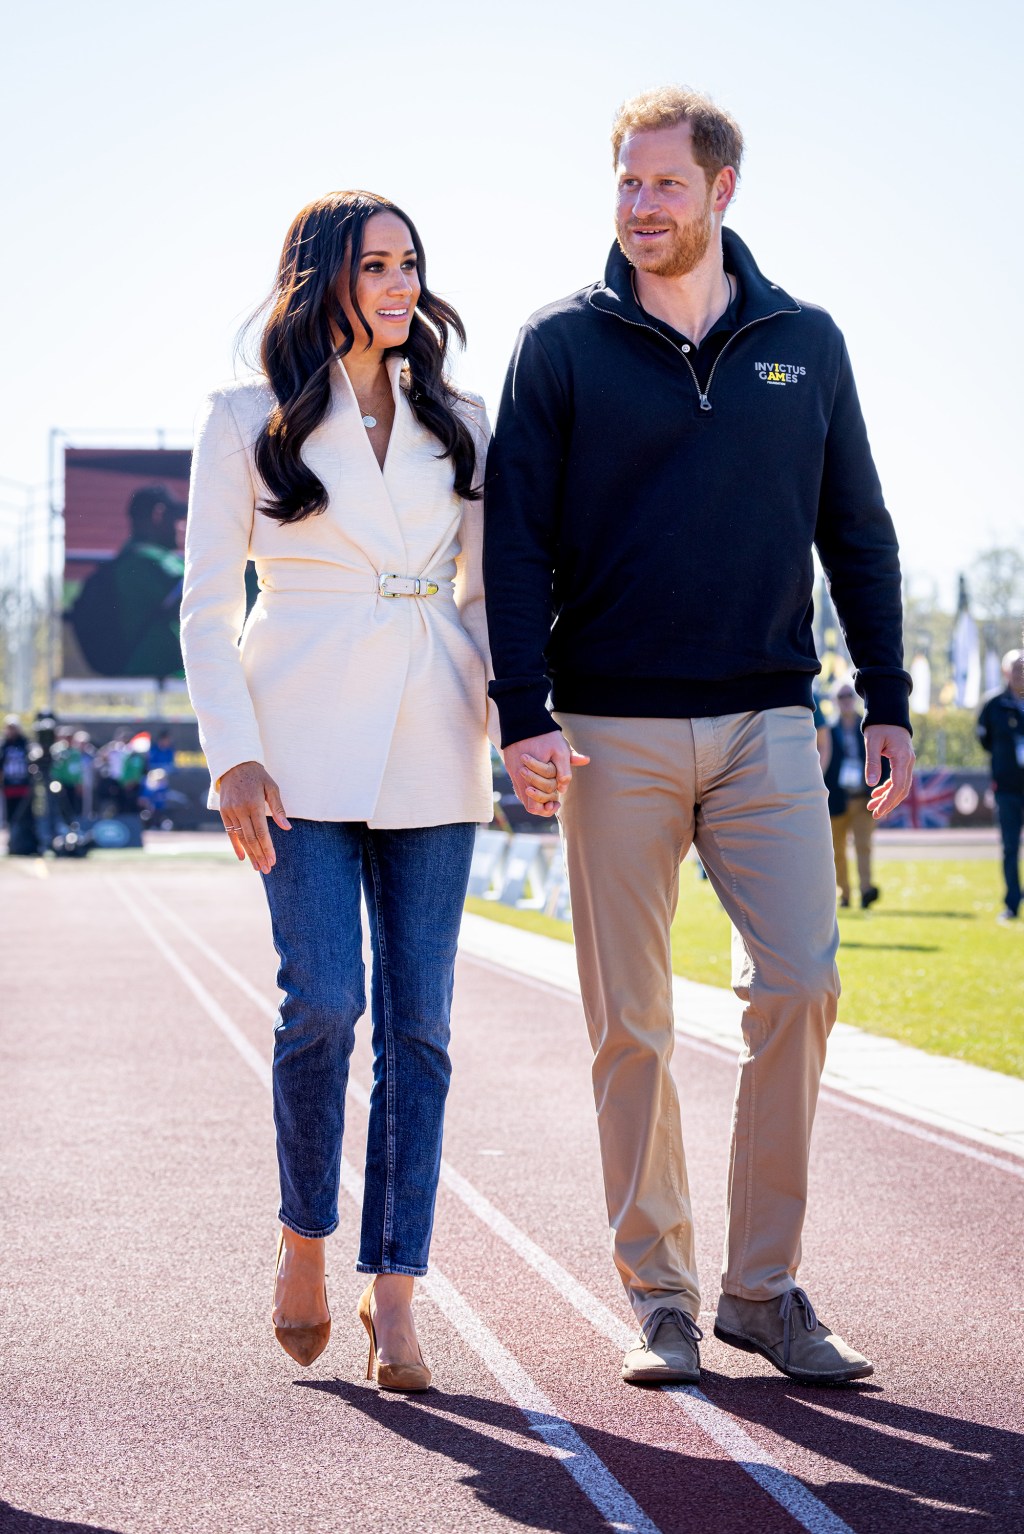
(361,706)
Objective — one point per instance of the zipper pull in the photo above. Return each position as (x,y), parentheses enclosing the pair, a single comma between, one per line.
(705,403)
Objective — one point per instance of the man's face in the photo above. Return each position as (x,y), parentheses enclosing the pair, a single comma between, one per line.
(167,524)
(665,210)
(847,700)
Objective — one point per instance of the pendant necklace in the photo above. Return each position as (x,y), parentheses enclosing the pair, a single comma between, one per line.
(369,420)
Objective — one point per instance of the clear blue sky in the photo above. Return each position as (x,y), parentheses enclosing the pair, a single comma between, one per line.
(154,156)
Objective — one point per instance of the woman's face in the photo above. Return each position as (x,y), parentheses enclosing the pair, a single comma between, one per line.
(387,286)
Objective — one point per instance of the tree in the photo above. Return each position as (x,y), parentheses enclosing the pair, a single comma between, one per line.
(997,595)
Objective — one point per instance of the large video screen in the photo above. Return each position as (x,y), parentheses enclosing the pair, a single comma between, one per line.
(124,521)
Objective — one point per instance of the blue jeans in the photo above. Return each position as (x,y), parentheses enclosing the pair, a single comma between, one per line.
(1010,808)
(415,885)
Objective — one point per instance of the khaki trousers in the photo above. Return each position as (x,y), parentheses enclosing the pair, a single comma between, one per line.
(747,790)
(858,819)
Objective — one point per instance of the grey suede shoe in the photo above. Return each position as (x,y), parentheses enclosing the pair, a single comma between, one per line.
(666,1351)
(800,1345)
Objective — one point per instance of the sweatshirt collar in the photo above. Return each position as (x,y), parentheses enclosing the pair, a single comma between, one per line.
(759,298)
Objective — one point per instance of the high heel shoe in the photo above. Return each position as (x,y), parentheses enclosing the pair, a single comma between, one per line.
(390,1376)
(303,1343)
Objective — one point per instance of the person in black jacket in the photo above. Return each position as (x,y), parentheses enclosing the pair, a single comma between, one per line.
(16,778)
(673,443)
(1001,732)
(848,799)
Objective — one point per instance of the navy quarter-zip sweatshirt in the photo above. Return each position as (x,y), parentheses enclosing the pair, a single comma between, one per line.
(648,539)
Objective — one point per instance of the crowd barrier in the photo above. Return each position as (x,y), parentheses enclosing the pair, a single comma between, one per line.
(522,870)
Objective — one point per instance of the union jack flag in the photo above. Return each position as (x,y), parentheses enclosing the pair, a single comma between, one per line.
(929,805)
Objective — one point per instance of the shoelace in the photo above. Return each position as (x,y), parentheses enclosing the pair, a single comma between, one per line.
(789,1299)
(685,1322)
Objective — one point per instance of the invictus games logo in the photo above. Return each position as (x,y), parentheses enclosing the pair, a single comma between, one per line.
(779,372)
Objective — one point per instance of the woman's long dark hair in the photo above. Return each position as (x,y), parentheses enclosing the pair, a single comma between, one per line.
(296,351)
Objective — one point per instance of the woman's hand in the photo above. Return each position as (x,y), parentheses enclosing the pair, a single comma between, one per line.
(247,792)
(541,771)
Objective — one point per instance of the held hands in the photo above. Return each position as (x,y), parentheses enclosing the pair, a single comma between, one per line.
(541,771)
(247,792)
(893,742)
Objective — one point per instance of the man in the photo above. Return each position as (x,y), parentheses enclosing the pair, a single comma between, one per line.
(671,444)
(126,615)
(1001,732)
(848,799)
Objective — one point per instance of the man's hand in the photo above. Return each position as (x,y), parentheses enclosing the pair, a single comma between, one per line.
(893,742)
(541,771)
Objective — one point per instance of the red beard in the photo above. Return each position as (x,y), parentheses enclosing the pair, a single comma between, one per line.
(686,247)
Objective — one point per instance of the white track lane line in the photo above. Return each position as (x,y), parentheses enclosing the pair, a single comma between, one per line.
(703,1046)
(918,1132)
(830,1094)
(589,1472)
(716,1424)
(562,1441)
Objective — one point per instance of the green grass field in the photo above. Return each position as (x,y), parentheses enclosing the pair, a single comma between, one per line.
(928,965)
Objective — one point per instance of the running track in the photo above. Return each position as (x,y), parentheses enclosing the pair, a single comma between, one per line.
(143,1391)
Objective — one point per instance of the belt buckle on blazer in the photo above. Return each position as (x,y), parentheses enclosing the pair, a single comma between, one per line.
(411,586)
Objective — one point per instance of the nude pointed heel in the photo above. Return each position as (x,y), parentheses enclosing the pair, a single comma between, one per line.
(303,1343)
(406,1377)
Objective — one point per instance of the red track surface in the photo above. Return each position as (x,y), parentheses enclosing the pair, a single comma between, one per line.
(142,1387)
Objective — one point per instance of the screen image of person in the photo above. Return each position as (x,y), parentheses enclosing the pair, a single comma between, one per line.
(125,617)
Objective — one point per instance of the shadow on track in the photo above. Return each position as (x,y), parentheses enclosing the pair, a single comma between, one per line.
(524,1484)
(14,1520)
(914,1459)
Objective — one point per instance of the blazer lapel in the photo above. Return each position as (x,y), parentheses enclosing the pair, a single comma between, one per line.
(339,453)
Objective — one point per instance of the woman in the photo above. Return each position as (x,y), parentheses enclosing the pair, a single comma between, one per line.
(354,711)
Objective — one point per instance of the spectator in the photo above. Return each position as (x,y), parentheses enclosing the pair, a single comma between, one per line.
(110,761)
(161,752)
(73,768)
(17,779)
(822,737)
(133,773)
(848,798)
(159,768)
(1001,732)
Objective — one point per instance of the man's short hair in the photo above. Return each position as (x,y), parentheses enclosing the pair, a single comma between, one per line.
(1010,659)
(717,139)
(145,502)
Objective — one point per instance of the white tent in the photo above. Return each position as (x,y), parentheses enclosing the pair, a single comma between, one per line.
(921,677)
(993,671)
(966,654)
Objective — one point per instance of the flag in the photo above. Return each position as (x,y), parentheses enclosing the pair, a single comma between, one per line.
(929,805)
(921,677)
(966,655)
